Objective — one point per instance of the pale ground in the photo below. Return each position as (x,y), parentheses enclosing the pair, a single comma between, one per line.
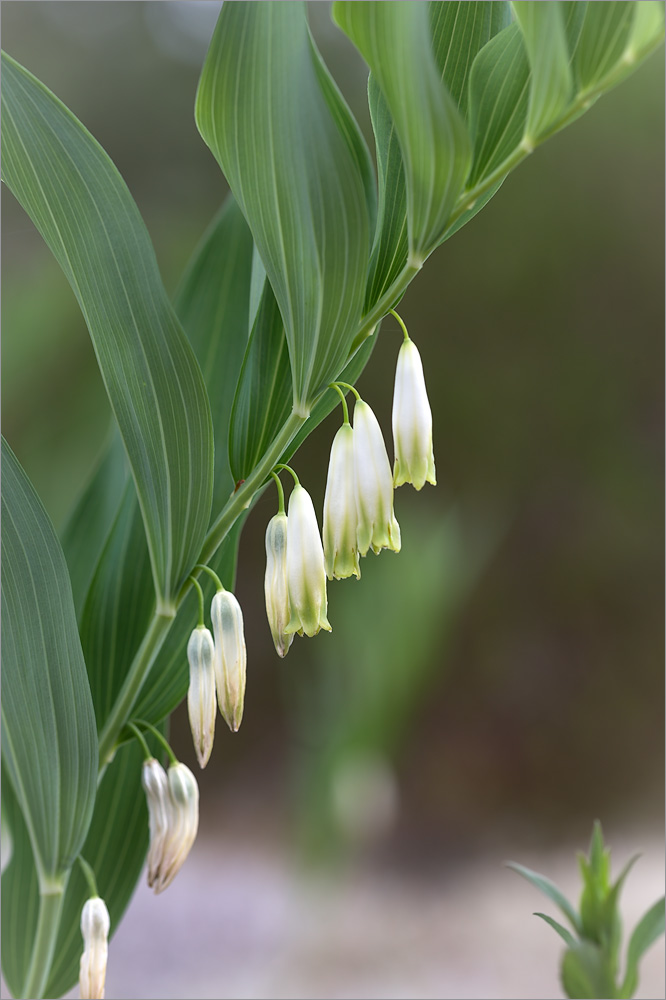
(239,922)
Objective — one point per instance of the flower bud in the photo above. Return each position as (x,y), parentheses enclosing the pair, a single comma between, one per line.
(340,517)
(201,705)
(305,567)
(276,588)
(95,926)
(183,810)
(230,656)
(412,422)
(156,787)
(377,526)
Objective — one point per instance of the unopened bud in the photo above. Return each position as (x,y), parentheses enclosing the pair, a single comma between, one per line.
(305,567)
(230,656)
(156,787)
(183,822)
(201,706)
(377,526)
(340,512)
(95,926)
(412,422)
(276,589)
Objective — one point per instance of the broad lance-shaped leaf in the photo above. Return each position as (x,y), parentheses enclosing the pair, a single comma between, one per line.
(551,87)
(80,204)
(648,929)
(293,157)
(20,894)
(394,39)
(49,742)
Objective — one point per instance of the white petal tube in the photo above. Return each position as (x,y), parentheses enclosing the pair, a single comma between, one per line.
(377,526)
(201,703)
(412,422)
(183,822)
(305,567)
(340,516)
(95,926)
(155,785)
(230,656)
(276,587)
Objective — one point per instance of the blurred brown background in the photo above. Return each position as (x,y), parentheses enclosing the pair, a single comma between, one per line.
(498,685)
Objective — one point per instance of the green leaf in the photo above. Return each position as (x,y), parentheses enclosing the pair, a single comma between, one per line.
(48,732)
(566,935)
(91,518)
(551,87)
(290,150)
(115,848)
(80,204)
(20,895)
(649,928)
(498,102)
(602,40)
(212,303)
(550,890)
(585,974)
(394,39)
(459,31)
(263,396)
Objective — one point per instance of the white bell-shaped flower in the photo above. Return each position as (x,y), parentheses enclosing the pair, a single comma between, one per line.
(276,586)
(183,822)
(340,513)
(201,703)
(412,422)
(230,656)
(377,526)
(95,926)
(156,787)
(305,567)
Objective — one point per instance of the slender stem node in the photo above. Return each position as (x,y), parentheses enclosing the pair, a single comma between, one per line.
(158,736)
(144,746)
(401,322)
(212,573)
(280,492)
(289,469)
(334,385)
(48,925)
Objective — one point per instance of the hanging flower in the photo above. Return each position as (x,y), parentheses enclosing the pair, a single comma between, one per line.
(276,587)
(377,526)
(156,787)
(340,514)
(201,705)
(412,421)
(305,567)
(230,656)
(95,926)
(183,812)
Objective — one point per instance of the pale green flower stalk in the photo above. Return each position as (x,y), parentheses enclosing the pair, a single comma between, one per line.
(201,703)
(276,585)
(95,924)
(340,510)
(377,526)
(412,419)
(305,566)
(230,657)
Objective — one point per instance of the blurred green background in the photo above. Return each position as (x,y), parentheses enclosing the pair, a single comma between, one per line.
(510,660)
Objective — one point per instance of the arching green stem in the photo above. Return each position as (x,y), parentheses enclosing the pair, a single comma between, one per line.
(401,322)
(158,736)
(280,492)
(341,394)
(212,573)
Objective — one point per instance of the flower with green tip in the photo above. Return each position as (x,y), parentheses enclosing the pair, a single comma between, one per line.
(340,512)
(276,586)
(201,702)
(377,526)
(183,810)
(306,574)
(156,787)
(230,656)
(95,926)
(412,422)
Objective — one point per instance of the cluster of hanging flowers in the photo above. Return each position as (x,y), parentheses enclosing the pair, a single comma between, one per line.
(358,504)
(358,516)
